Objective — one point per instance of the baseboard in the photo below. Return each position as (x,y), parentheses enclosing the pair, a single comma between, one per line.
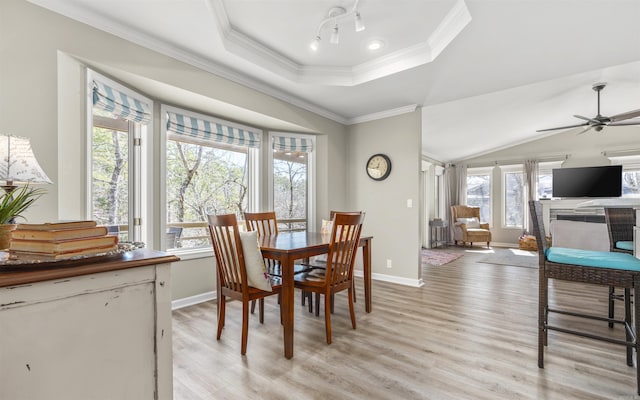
(207,296)
(398,280)
(193,300)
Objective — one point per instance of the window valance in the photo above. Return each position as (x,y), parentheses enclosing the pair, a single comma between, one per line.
(287,143)
(202,131)
(119,104)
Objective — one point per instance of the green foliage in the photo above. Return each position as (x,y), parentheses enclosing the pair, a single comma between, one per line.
(13,204)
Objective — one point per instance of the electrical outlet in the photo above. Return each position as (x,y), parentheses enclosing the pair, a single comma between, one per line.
(388,263)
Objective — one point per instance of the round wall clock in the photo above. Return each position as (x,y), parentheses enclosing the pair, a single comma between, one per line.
(378,167)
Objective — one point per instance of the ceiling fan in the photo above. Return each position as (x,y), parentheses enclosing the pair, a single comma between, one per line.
(599,122)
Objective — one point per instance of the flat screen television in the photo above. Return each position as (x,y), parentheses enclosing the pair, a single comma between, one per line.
(603,181)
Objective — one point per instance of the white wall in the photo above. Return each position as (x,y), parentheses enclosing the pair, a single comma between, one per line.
(582,150)
(42,96)
(395,227)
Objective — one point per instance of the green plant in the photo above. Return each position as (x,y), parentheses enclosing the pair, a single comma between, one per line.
(14,203)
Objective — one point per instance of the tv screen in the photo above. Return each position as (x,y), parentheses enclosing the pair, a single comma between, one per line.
(604,181)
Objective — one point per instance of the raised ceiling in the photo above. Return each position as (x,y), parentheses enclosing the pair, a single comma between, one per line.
(487,73)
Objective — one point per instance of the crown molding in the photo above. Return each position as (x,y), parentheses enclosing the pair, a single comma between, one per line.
(258,54)
(383,114)
(148,42)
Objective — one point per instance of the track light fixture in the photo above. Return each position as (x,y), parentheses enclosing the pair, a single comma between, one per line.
(334,15)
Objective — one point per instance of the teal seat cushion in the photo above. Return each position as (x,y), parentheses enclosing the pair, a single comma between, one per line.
(625,245)
(590,258)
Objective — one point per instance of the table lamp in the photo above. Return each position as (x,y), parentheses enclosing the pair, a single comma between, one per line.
(18,164)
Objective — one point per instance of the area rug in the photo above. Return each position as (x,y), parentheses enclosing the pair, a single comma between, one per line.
(438,257)
(512,257)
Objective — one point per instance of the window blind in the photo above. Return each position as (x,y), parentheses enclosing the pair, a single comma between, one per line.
(202,131)
(119,104)
(287,143)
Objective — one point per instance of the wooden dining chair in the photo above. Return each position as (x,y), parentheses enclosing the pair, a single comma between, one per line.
(338,275)
(265,223)
(231,270)
(322,265)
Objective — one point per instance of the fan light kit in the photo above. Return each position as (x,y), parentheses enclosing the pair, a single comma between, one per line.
(335,14)
(599,121)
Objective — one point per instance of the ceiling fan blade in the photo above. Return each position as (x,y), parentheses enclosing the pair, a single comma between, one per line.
(626,115)
(587,119)
(585,130)
(627,122)
(562,127)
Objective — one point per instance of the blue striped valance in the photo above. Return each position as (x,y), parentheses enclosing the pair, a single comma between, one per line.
(190,129)
(119,104)
(287,143)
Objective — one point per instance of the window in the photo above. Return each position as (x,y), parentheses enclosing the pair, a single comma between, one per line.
(545,178)
(479,191)
(207,172)
(291,157)
(118,119)
(514,196)
(630,174)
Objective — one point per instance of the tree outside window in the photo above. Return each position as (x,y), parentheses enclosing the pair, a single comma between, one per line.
(513,199)
(203,180)
(290,178)
(479,192)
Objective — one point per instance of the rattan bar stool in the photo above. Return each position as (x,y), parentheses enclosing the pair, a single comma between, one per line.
(628,279)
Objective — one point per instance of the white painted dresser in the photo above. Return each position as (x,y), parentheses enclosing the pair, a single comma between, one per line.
(89,330)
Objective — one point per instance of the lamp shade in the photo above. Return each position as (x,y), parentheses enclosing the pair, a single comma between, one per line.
(18,164)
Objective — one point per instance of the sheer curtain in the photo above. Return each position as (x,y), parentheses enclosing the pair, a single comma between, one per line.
(531,182)
(461,182)
(450,194)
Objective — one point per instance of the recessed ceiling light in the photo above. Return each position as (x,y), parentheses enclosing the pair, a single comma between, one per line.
(375,45)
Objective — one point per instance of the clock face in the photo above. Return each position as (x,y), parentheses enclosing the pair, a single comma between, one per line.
(378,167)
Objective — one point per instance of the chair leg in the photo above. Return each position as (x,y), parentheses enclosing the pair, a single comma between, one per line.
(327,317)
(612,295)
(221,314)
(627,320)
(488,245)
(253,306)
(351,310)
(245,327)
(542,308)
(332,303)
(261,302)
(318,304)
(636,321)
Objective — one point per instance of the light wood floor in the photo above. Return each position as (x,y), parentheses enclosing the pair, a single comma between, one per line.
(469,333)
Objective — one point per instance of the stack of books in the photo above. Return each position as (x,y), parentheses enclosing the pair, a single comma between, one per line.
(60,241)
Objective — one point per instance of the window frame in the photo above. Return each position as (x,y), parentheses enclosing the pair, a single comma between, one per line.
(311,175)
(253,178)
(510,169)
(476,171)
(630,163)
(139,161)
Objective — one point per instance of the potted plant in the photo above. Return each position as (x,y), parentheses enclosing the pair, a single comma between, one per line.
(12,204)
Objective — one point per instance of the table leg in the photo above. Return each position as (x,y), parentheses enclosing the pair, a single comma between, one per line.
(286,305)
(366,267)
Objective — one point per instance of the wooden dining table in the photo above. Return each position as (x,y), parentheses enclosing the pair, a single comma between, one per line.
(287,247)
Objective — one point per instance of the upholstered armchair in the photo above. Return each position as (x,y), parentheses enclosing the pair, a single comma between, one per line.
(467,226)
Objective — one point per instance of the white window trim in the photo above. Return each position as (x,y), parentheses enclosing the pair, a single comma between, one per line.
(311,175)
(484,171)
(504,170)
(140,161)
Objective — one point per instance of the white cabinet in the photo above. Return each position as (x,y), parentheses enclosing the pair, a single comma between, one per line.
(103,335)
